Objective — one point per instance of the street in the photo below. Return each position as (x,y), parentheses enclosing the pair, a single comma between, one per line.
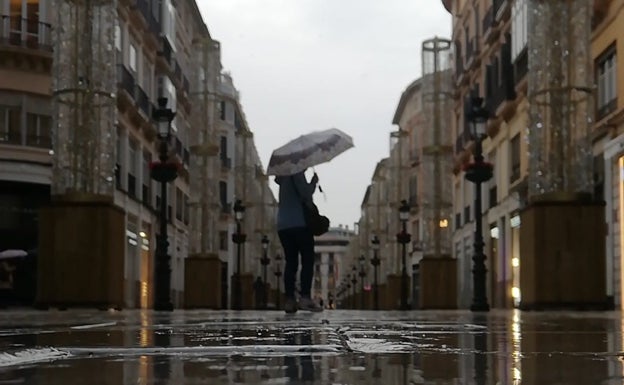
(334,347)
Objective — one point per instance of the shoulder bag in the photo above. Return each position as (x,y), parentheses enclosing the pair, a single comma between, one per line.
(317,223)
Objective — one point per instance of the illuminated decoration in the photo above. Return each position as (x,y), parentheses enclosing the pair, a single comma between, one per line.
(560,98)
(84,90)
(436,144)
(204,165)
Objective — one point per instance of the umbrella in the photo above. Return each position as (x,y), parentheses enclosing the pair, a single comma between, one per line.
(308,151)
(12,253)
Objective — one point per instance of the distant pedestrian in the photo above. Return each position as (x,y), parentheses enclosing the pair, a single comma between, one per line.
(296,238)
(258,287)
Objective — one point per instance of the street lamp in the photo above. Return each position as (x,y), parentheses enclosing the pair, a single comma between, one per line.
(353,287)
(375,262)
(362,260)
(238,238)
(278,274)
(163,172)
(477,173)
(265,262)
(403,238)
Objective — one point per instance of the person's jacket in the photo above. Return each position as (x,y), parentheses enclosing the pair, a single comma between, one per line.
(290,208)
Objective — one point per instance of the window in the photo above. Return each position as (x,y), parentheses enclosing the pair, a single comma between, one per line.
(133,58)
(118,38)
(519,28)
(132,168)
(515,159)
(179,204)
(10,125)
(607,86)
(145,188)
(168,22)
(186,214)
(147,78)
(223,196)
(38,130)
(223,240)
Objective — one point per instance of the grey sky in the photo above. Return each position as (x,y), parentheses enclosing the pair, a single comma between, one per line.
(306,65)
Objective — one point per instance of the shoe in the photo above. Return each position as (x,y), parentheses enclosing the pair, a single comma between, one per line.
(290,306)
(309,305)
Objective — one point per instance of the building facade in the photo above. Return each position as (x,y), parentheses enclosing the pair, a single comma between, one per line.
(161,49)
(492,61)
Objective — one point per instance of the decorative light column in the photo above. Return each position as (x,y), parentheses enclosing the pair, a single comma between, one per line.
(560,95)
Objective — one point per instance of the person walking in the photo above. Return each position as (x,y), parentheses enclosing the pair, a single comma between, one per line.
(296,239)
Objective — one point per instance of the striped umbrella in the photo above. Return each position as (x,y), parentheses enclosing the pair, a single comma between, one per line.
(308,151)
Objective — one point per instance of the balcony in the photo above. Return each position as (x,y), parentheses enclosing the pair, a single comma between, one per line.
(142,101)
(501,9)
(226,208)
(515,172)
(131,186)
(41,141)
(500,85)
(472,53)
(146,195)
(165,55)
(490,32)
(521,66)
(125,81)
(606,109)
(25,33)
(492,196)
(226,164)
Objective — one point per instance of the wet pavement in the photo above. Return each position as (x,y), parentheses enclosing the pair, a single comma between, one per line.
(334,347)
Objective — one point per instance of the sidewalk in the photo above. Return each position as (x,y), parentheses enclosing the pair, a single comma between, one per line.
(334,347)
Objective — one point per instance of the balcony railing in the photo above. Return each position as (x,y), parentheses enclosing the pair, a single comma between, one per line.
(521,66)
(488,22)
(131,185)
(515,172)
(146,194)
(226,208)
(606,109)
(226,163)
(11,137)
(28,33)
(125,80)
(43,141)
(167,50)
(499,8)
(142,100)
(471,52)
(493,199)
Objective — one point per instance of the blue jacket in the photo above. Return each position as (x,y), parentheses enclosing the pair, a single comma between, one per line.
(290,208)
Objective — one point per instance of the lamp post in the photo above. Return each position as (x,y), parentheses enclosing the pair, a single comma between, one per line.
(265,262)
(477,173)
(163,172)
(362,260)
(238,238)
(403,238)
(278,274)
(353,287)
(375,262)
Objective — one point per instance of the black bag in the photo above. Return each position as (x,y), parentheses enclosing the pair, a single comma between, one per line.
(317,223)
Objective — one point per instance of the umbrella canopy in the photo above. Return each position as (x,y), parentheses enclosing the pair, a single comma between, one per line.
(308,151)
(12,253)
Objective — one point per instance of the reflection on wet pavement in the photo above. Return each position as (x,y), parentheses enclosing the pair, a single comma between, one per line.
(335,347)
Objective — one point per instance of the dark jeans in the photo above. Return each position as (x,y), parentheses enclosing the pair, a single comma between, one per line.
(297,241)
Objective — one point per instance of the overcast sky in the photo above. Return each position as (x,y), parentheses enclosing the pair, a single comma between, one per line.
(306,65)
